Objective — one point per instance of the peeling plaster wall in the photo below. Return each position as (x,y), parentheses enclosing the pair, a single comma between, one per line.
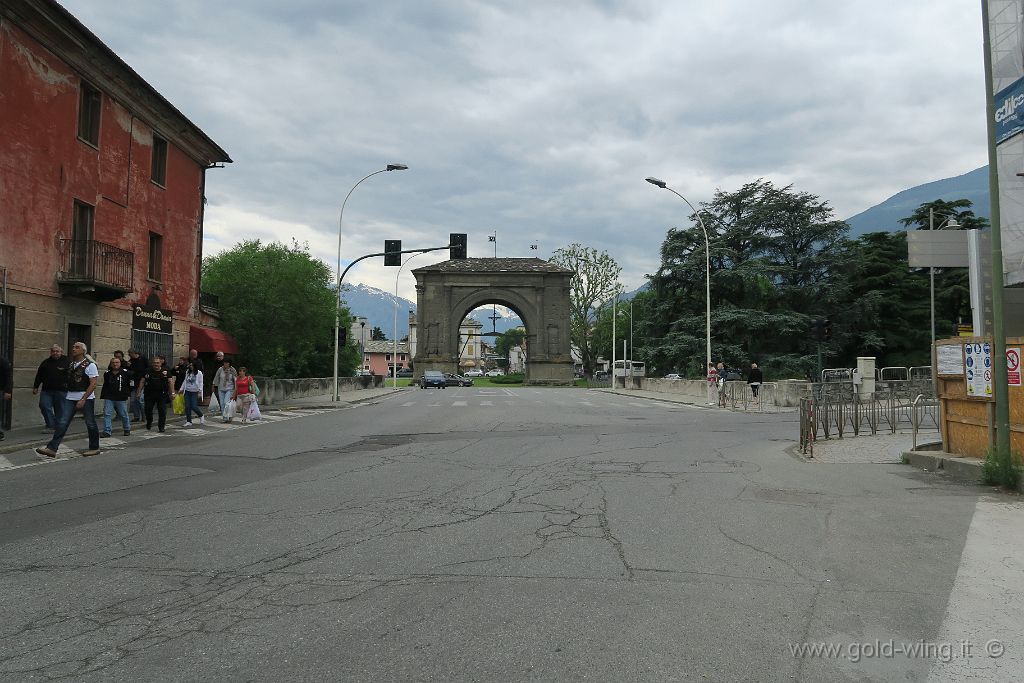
(44,167)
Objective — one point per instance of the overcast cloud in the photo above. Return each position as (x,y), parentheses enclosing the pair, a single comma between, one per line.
(540,120)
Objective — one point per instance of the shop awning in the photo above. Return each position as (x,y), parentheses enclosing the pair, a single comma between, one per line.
(210,340)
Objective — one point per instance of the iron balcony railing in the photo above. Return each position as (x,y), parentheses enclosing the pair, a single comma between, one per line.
(207,300)
(90,262)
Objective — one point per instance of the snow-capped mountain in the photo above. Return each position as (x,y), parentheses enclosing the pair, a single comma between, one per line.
(378,307)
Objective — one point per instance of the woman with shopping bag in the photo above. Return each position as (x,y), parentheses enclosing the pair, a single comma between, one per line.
(192,389)
(245,394)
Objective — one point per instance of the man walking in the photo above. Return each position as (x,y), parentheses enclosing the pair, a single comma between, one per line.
(82,376)
(755,379)
(51,383)
(156,388)
(6,384)
(137,366)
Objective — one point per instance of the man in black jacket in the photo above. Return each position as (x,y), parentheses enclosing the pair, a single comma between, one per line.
(115,393)
(137,366)
(51,383)
(157,388)
(6,384)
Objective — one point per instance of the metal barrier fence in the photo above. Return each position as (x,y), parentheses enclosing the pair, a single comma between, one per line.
(836,409)
(738,395)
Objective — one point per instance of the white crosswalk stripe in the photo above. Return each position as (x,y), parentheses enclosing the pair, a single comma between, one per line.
(487,403)
(5,463)
(459,404)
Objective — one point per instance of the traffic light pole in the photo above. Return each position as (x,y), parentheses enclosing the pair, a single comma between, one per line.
(337,311)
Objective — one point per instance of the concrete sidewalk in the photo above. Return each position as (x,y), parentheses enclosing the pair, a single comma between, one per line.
(688,400)
(33,437)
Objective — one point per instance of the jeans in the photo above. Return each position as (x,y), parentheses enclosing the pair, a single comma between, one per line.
(111,406)
(69,409)
(51,405)
(160,401)
(192,405)
(135,403)
(223,398)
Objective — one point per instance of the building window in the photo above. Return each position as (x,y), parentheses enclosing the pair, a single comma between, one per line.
(387,356)
(159,171)
(470,350)
(82,221)
(79,333)
(156,257)
(401,356)
(89,114)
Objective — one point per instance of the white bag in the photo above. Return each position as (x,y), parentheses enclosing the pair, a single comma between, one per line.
(229,410)
(254,410)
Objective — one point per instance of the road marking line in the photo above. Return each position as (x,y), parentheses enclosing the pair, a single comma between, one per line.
(459,404)
(487,403)
(5,463)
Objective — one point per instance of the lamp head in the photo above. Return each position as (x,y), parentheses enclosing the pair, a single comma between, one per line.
(396,167)
(952,222)
(655,181)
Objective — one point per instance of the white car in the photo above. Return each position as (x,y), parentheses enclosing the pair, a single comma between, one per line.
(495,373)
(673,375)
(473,373)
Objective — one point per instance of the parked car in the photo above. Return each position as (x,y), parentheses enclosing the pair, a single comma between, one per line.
(433,378)
(473,373)
(495,373)
(454,380)
(673,375)
(404,372)
(732,374)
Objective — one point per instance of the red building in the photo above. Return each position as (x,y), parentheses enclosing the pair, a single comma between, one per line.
(101,220)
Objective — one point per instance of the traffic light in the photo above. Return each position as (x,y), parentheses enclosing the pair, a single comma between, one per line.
(457,244)
(342,336)
(826,329)
(392,252)
(817,329)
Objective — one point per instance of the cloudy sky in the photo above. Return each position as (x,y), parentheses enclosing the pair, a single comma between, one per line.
(540,119)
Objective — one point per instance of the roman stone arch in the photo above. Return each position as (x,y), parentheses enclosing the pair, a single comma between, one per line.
(538,291)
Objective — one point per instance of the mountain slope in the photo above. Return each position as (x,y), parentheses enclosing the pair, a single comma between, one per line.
(885,217)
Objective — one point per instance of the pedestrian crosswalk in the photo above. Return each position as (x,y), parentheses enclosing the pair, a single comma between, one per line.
(485,400)
(29,458)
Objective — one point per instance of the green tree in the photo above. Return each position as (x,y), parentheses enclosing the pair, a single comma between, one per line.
(377,334)
(776,260)
(595,281)
(279,305)
(505,341)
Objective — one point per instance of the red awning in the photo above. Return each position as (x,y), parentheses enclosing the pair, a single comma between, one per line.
(210,340)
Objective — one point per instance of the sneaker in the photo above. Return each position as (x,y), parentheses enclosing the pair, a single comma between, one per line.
(48,452)
(91,451)
(127,432)
(202,419)
(187,424)
(105,435)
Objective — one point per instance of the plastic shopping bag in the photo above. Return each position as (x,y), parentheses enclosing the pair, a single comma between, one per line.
(229,410)
(254,410)
(178,404)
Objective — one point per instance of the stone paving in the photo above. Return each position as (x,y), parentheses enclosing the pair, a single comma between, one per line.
(867,448)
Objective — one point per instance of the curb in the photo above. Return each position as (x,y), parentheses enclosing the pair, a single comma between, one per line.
(961,469)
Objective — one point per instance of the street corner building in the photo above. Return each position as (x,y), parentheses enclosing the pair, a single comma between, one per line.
(101,223)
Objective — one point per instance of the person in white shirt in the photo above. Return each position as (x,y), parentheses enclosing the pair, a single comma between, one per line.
(82,375)
(192,388)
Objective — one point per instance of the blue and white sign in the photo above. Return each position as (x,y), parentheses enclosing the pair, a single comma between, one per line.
(978,371)
(1010,111)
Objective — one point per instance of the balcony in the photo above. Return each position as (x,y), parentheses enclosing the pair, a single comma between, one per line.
(94,269)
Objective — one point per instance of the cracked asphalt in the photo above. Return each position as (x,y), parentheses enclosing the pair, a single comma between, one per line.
(474,534)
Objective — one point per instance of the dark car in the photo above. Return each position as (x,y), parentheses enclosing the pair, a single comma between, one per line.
(405,372)
(433,378)
(454,380)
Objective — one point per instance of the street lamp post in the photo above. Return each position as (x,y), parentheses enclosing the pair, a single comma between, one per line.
(394,348)
(362,342)
(337,303)
(707,271)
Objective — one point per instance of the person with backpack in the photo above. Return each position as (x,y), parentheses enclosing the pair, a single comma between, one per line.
(81,396)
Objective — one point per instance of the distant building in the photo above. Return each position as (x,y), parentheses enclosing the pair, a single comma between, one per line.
(470,344)
(101,220)
(380,356)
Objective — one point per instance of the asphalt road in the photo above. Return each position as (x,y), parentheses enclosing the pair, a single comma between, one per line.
(474,534)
